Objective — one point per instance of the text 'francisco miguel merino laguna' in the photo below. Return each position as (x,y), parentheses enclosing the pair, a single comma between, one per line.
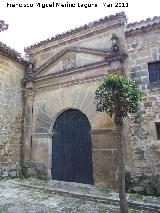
(53,4)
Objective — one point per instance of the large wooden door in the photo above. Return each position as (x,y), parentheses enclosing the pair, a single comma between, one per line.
(72,148)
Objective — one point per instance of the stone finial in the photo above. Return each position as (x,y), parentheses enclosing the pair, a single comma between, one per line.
(28,57)
(28,82)
(29,72)
(115,47)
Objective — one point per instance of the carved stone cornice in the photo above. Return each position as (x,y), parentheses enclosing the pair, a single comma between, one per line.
(111,56)
(116,56)
(119,18)
(69,83)
(92,71)
(143,29)
(72,71)
(78,81)
(34,83)
(143,22)
(60,54)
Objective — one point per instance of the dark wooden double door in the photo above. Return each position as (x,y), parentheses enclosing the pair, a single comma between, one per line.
(72,148)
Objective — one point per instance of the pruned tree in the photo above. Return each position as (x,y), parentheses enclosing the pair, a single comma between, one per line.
(118,96)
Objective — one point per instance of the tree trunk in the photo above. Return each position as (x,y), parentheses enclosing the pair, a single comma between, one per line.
(121,146)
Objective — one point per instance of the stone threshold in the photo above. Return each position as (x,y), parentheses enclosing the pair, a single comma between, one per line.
(80,191)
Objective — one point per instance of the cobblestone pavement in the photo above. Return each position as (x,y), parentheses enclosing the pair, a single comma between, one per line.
(20,199)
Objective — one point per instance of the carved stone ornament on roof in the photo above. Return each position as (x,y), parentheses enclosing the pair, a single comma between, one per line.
(115,52)
(29,73)
(69,61)
(115,46)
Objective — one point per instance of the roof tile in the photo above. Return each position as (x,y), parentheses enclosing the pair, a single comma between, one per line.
(11,53)
(75,30)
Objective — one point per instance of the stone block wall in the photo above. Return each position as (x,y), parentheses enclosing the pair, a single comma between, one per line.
(11,116)
(144,48)
(48,104)
(141,42)
(75,90)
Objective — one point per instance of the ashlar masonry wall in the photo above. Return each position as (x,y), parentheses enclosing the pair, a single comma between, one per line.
(69,82)
(11,116)
(143,48)
(141,42)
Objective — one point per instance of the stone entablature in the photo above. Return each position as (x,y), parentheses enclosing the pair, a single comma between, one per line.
(63,53)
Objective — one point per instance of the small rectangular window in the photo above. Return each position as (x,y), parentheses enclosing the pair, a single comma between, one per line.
(158,130)
(154,72)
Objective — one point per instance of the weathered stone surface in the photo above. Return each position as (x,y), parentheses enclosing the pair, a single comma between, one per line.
(76,90)
(144,49)
(15,210)
(11,117)
(73,88)
(37,196)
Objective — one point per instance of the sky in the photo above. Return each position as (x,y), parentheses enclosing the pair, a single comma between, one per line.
(29,25)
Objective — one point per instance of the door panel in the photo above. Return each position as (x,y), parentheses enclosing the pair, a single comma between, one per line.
(72,149)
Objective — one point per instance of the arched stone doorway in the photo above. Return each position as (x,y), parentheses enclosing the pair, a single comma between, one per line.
(72,148)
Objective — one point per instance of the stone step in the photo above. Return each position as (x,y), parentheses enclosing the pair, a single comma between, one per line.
(90,192)
(73,187)
(64,186)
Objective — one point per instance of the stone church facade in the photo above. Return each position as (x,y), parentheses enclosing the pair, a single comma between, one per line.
(61,77)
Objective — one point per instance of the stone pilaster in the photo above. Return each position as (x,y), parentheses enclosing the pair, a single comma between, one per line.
(28,117)
(28,113)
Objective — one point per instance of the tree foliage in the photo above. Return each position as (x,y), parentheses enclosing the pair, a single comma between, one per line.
(117,96)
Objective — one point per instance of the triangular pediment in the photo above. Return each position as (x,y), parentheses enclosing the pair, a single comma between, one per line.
(70,59)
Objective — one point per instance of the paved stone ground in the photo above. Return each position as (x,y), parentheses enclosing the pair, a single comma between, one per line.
(19,199)
(15,198)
